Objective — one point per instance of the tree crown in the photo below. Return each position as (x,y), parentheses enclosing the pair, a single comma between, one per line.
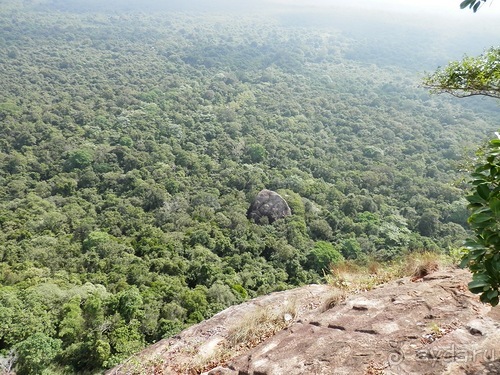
(471,76)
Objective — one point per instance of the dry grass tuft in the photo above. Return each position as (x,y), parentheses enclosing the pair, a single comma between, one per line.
(422,264)
(200,364)
(135,366)
(336,298)
(253,329)
(261,324)
(353,278)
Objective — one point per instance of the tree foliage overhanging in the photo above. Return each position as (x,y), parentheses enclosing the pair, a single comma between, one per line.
(132,145)
(483,252)
(468,77)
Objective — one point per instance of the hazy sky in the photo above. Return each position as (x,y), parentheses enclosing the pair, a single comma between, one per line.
(438,7)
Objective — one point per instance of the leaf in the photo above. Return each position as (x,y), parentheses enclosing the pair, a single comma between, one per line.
(481,277)
(478,171)
(482,171)
(471,244)
(475,198)
(481,227)
(477,291)
(478,286)
(494,301)
(492,237)
(484,191)
(484,209)
(481,217)
(476,254)
(465,262)
(466,3)
(490,294)
(483,297)
(489,267)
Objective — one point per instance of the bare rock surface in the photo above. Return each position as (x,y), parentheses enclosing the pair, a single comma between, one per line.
(433,326)
(270,205)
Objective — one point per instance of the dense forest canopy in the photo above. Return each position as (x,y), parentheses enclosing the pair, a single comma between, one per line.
(135,139)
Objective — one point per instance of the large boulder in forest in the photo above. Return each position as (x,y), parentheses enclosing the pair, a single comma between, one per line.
(268,204)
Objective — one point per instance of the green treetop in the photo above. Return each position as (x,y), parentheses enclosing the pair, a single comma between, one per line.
(471,76)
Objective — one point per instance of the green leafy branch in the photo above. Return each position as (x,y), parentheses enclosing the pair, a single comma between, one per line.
(483,256)
(468,77)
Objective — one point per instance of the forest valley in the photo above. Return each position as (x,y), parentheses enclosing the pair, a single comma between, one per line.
(132,144)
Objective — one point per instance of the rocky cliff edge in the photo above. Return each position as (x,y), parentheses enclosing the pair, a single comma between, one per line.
(432,325)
